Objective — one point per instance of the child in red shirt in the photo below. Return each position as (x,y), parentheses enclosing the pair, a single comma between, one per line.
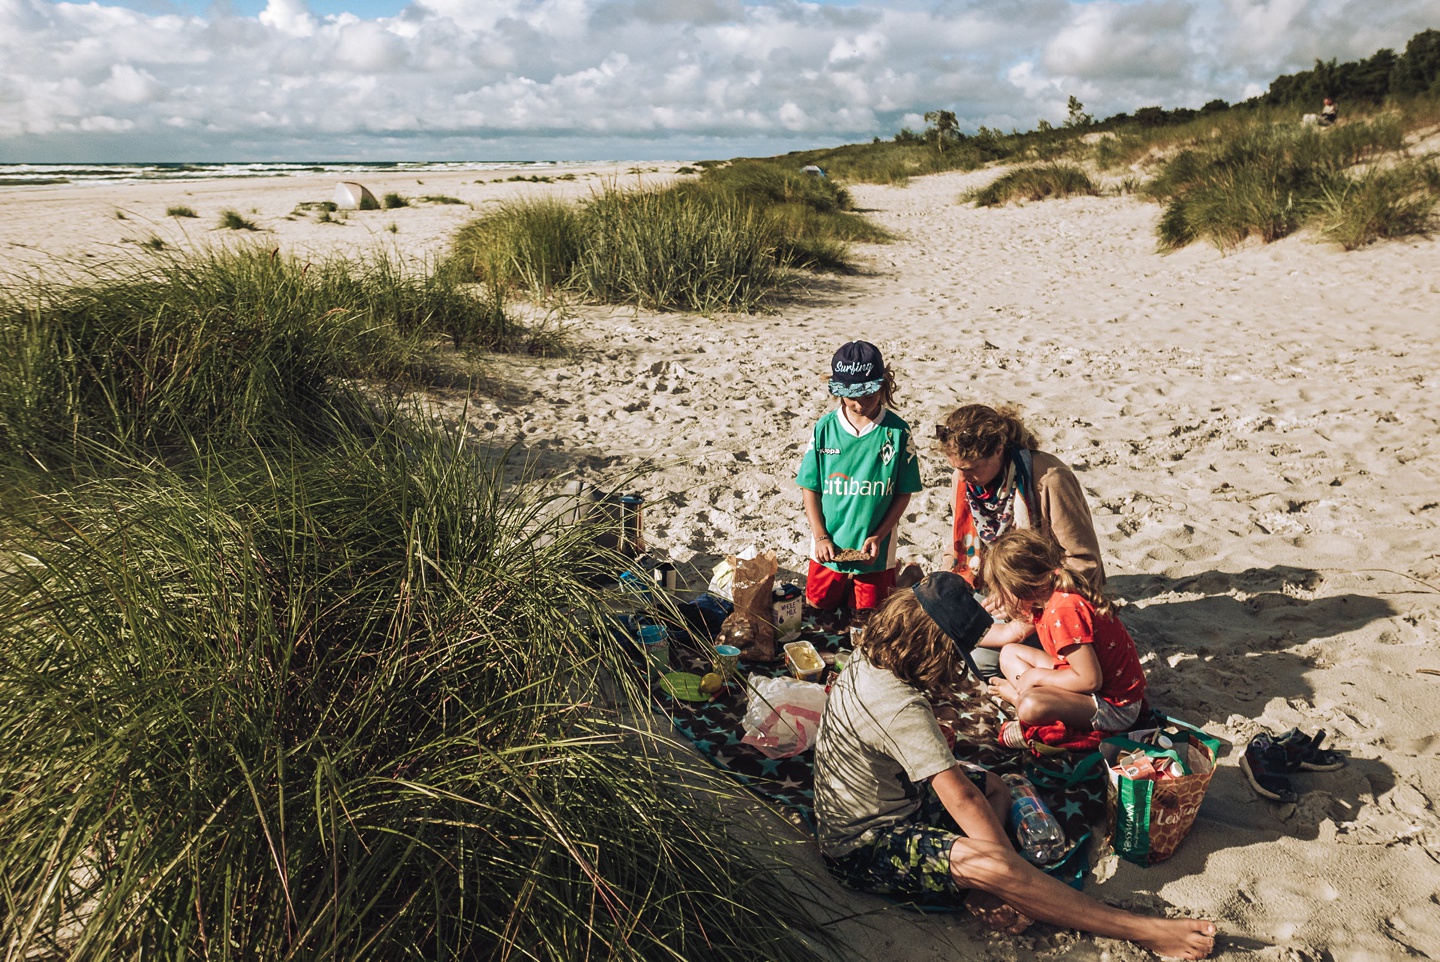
(1088,676)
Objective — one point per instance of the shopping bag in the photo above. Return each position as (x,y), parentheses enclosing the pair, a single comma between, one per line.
(782,715)
(1150,817)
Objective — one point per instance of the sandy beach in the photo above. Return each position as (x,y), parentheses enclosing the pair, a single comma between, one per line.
(1255,433)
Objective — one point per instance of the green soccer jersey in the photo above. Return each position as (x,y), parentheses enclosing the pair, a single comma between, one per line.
(858,475)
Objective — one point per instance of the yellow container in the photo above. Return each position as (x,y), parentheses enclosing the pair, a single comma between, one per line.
(804,661)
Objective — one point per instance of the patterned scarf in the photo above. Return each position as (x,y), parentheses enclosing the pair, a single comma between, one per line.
(982,516)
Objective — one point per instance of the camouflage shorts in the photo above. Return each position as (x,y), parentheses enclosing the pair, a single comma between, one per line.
(911,858)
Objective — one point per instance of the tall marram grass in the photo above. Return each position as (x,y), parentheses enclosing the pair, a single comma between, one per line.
(1034,183)
(1382,202)
(724,243)
(339,703)
(1264,182)
(219,346)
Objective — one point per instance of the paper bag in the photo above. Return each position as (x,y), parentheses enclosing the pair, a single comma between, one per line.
(749,627)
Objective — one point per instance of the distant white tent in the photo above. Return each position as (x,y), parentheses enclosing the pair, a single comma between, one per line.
(352,196)
(812,170)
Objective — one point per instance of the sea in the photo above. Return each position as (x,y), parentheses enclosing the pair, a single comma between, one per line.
(44,175)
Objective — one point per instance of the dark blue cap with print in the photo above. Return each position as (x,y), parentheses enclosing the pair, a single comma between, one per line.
(857,370)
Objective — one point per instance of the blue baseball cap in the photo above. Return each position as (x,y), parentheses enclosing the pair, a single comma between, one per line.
(856,370)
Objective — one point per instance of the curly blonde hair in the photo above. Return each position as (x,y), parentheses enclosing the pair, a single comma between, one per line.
(1026,567)
(901,638)
(976,431)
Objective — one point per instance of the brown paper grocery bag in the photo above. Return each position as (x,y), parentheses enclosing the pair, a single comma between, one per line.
(749,627)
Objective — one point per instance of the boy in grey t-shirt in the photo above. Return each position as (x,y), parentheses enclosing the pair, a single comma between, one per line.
(899,816)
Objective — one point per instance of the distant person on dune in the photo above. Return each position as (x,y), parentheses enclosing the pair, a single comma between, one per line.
(1329,113)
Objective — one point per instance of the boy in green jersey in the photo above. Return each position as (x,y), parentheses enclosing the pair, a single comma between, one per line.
(857,477)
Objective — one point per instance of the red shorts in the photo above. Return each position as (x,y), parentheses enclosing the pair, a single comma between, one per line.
(828,589)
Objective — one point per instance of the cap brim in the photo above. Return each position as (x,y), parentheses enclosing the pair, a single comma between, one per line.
(863,389)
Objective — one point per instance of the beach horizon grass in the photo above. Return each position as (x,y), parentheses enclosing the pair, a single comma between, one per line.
(219,345)
(730,241)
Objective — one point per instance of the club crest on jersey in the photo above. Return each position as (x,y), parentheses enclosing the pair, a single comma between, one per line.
(887,453)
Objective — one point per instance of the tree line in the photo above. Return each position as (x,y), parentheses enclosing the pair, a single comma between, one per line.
(1384,74)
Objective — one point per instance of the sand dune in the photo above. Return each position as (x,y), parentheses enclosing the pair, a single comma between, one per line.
(1255,433)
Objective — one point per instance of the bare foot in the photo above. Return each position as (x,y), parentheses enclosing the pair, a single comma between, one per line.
(997,914)
(1004,689)
(1180,938)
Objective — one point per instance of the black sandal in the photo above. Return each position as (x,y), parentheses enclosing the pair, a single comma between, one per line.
(1303,752)
(1267,785)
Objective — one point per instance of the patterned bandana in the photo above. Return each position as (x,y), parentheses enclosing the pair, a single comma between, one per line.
(982,516)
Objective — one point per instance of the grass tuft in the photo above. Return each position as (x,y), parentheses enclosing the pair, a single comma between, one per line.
(180,212)
(392,201)
(1380,203)
(338,702)
(723,243)
(217,347)
(1033,184)
(441,199)
(1264,182)
(232,220)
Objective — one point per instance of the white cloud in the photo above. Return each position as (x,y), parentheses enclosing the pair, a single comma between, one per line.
(599,78)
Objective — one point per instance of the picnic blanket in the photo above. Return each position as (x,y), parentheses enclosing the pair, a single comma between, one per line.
(714,727)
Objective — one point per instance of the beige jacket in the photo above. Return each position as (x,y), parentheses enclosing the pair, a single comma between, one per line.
(1065,516)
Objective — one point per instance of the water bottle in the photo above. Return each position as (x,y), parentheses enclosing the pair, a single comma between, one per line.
(1037,831)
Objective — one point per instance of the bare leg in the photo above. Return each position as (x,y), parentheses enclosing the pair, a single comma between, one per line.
(1040,706)
(993,868)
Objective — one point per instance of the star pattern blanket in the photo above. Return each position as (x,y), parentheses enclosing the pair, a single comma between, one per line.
(714,727)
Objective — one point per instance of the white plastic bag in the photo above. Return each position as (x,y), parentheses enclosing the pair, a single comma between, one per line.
(782,716)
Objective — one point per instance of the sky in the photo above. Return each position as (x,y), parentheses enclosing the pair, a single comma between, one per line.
(183,80)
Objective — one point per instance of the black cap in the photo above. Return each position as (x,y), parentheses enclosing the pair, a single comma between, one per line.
(856,370)
(950,602)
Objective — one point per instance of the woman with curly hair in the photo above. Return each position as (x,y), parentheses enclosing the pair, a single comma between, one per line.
(1004,482)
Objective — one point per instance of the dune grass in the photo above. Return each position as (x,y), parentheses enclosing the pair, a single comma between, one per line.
(180,212)
(726,242)
(1034,183)
(1380,203)
(233,220)
(290,674)
(392,200)
(332,703)
(1265,182)
(219,346)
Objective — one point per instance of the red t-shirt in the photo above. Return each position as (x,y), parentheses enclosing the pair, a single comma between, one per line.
(1071,620)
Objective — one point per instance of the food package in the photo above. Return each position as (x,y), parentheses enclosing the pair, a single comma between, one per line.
(786,610)
(749,627)
(804,661)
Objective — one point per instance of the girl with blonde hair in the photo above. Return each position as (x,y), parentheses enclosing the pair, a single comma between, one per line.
(1086,673)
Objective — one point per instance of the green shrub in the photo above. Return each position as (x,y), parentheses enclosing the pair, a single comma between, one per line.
(1264,182)
(231,220)
(664,249)
(393,201)
(341,704)
(534,242)
(1380,203)
(220,346)
(1034,183)
(180,212)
